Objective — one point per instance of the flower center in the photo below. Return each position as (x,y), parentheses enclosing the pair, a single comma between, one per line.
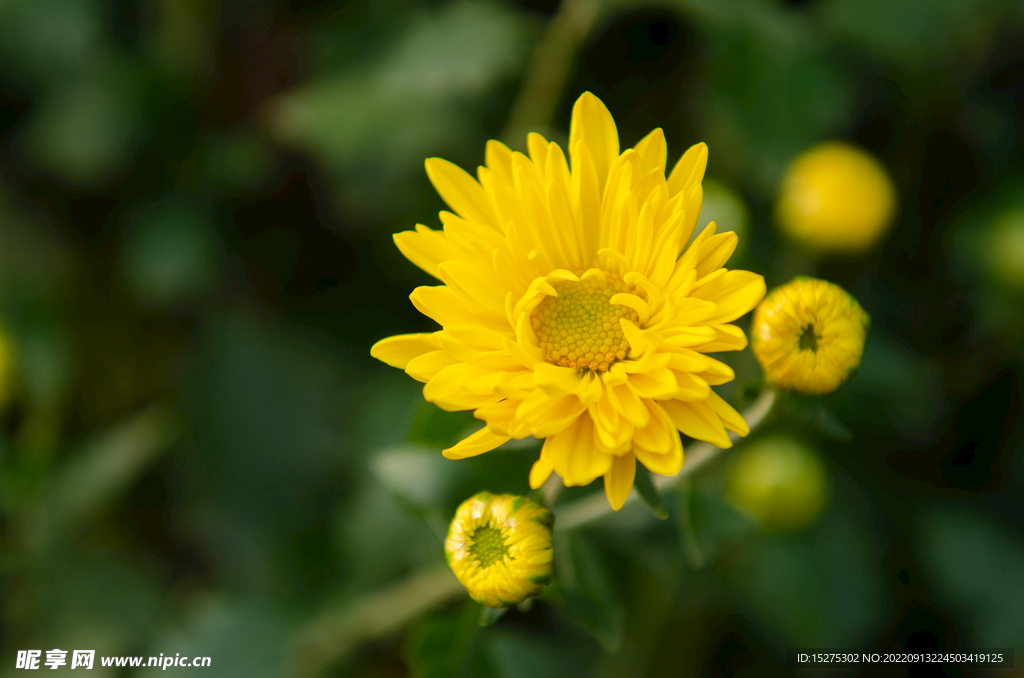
(809,339)
(488,545)
(580,327)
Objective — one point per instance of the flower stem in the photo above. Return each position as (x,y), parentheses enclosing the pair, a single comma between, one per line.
(320,642)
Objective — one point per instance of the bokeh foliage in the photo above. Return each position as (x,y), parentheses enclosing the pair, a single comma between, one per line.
(198,455)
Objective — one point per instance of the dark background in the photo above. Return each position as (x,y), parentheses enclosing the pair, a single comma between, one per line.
(196,208)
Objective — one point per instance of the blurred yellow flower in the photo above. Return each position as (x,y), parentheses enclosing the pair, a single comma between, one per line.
(1004,250)
(499,547)
(809,335)
(567,312)
(8,367)
(779,482)
(836,197)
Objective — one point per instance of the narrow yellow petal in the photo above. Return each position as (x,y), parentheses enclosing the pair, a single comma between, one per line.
(689,170)
(539,473)
(715,252)
(657,383)
(593,126)
(666,459)
(498,157)
(398,350)
(557,381)
(461,191)
(697,420)
(653,150)
(618,481)
(732,419)
(424,367)
(425,247)
(478,443)
(444,306)
(657,437)
(734,293)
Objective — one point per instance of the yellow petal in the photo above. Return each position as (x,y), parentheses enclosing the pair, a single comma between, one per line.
(697,420)
(446,391)
(657,383)
(659,433)
(444,306)
(653,150)
(586,199)
(727,338)
(574,454)
(425,247)
(498,157)
(424,367)
(557,381)
(618,481)
(461,191)
(478,443)
(732,419)
(734,293)
(689,170)
(593,125)
(715,252)
(398,350)
(539,473)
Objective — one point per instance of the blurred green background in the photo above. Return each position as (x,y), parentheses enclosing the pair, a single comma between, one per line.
(199,455)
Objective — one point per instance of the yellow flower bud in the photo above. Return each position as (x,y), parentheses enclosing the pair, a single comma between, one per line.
(809,335)
(499,547)
(836,197)
(779,482)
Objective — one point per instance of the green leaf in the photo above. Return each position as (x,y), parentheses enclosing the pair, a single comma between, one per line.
(583,589)
(649,494)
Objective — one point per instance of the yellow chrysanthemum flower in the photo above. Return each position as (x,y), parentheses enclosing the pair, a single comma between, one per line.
(500,548)
(779,482)
(567,311)
(809,335)
(836,197)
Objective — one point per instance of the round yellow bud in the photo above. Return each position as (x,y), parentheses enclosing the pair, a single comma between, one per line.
(779,482)
(1004,250)
(499,547)
(836,197)
(808,335)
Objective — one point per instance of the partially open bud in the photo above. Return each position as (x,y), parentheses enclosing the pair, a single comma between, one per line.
(808,336)
(499,547)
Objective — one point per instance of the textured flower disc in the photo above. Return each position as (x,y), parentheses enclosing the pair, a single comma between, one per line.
(809,335)
(567,312)
(499,547)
